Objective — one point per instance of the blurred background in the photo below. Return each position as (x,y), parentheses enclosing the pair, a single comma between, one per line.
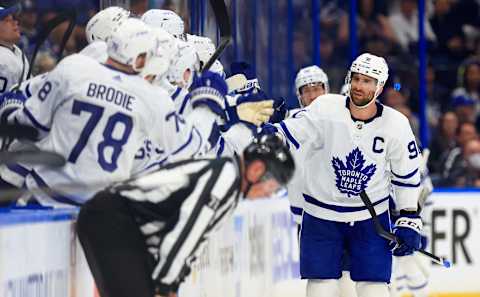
(432,48)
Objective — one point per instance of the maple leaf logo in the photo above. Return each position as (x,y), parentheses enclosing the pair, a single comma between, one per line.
(352,177)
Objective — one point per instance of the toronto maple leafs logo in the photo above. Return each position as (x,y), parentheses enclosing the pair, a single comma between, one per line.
(352,177)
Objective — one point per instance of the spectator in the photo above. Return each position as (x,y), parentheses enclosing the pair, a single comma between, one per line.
(405,25)
(469,79)
(371,24)
(453,161)
(443,141)
(465,172)
(464,108)
(447,25)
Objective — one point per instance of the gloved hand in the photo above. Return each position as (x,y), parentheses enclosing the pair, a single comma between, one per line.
(209,89)
(280,107)
(256,113)
(407,228)
(11,100)
(250,108)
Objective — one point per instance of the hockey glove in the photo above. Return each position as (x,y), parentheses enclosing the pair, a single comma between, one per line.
(209,89)
(280,107)
(407,228)
(250,108)
(9,101)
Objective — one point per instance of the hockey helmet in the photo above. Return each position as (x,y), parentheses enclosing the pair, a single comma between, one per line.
(102,24)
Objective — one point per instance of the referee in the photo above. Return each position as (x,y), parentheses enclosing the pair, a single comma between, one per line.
(139,237)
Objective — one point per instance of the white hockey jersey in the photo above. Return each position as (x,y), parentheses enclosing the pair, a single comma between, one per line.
(13,67)
(344,156)
(96,50)
(97,118)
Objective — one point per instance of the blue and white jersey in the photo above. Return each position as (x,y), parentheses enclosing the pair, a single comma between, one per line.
(345,156)
(96,50)
(13,67)
(98,118)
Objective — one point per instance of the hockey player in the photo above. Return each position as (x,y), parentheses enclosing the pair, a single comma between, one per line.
(99,28)
(166,20)
(97,115)
(13,63)
(310,83)
(141,237)
(354,144)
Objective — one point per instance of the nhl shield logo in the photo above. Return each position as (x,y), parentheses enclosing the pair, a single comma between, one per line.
(352,177)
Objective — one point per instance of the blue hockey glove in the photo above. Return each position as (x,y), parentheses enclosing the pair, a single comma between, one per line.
(209,89)
(280,107)
(407,228)
(13,99)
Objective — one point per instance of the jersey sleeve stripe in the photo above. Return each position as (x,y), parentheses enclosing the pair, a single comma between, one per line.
(176,93)
(289,135)
(184,103)
(296,210)
(183,146)
(18,169)
(59,198)
(406,175)
(221,147)
(34,121)
(400,184)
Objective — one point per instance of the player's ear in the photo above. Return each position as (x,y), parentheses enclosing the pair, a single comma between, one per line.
(186,75)
(140,61)
(255,170)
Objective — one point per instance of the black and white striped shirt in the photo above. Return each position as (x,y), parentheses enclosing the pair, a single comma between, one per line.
(178,207)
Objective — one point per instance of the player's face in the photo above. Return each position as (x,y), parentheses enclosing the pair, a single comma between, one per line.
(310,92)
(9,30)
(264,189)
(362,89)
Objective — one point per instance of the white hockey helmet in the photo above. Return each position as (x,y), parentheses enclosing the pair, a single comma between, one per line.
(311,75)
(130,39)
(185,59)
(372,66)
(166,20)
(204,46)
(102,24)
(161,60)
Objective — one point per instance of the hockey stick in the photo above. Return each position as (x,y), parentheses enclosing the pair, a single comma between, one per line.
(18,131)
(223,21)
(390,236)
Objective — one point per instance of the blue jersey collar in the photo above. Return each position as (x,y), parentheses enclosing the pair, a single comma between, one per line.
(377,115)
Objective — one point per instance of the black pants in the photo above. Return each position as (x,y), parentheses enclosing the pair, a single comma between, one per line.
(115,248)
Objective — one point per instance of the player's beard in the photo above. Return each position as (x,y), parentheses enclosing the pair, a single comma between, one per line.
(361,99)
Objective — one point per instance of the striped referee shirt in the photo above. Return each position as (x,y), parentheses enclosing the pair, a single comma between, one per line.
(178,207)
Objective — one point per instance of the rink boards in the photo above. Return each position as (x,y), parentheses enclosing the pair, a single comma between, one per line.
(254,254)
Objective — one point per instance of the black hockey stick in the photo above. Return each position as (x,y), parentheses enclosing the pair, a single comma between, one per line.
(223,21)
(390,236)
(18,131)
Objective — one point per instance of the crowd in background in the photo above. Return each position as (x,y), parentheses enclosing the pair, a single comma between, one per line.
(384,28)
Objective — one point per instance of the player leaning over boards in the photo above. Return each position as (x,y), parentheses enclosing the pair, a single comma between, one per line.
(13,63)
(97,116)
(355,144)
